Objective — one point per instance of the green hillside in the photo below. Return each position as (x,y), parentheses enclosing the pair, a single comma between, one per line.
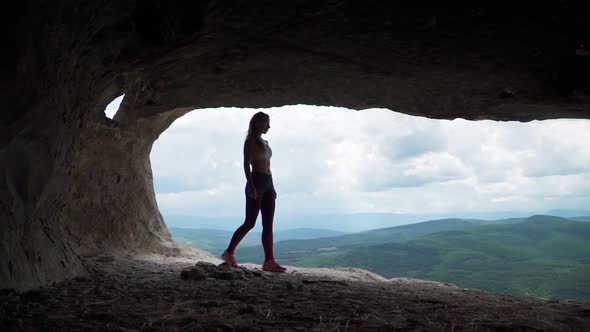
(315,251)
(544,256)
(212,240)
(216,241)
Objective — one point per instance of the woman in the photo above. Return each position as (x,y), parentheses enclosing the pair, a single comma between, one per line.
(260,193)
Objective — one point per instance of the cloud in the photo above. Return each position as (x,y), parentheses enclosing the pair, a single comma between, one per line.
(417,143)
(333,160)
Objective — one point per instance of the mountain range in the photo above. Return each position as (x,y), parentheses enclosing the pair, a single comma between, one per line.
(543,256)
(216,241)
(352,222)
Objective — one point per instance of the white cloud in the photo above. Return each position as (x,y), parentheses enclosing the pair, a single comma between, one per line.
(332,160)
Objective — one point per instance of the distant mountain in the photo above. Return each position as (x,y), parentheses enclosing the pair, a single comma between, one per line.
(349,223)
(565,213)
(543,256)
(187,221)
(216,241)
(305,233)
(292,251)
(212,240)
(339,222)
(369,221)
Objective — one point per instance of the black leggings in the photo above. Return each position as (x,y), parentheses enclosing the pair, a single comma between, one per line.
(265,203)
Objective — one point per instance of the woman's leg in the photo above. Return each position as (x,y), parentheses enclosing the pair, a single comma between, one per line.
(267,209)
(252,208)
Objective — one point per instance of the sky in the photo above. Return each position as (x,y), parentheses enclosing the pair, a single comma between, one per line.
(329,160)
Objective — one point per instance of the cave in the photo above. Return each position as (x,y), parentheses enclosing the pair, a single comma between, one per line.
(75,184)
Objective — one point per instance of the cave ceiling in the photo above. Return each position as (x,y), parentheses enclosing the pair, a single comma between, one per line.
(500,60)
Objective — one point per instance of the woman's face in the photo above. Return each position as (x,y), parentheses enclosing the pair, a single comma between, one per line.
(263,125)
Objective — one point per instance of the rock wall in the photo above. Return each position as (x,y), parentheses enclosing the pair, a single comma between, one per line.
(77,192)
(74,183)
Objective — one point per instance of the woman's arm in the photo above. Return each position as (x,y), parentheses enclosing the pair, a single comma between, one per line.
(248,153)
(247,160)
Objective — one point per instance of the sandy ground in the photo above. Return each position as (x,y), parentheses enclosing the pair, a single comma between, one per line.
(195,292)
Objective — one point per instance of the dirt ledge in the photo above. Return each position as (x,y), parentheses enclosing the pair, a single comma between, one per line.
(125,293)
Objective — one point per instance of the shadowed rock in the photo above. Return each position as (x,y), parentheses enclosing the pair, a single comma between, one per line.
(148,294)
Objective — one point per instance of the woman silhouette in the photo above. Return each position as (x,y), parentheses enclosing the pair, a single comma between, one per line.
(260,193)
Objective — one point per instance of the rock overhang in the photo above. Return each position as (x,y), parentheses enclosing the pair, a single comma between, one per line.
(496,60)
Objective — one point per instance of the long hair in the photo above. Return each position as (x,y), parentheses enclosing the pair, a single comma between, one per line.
(253,133)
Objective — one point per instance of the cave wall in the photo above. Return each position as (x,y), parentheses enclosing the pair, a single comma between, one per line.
(74,183)
(66,202)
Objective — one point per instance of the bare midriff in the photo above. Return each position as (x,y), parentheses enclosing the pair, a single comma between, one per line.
(260,166)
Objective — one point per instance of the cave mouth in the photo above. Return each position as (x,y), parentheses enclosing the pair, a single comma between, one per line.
(76,186)
(98,194)
(335,161)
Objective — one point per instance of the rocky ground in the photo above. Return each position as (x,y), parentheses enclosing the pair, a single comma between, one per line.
(156,293)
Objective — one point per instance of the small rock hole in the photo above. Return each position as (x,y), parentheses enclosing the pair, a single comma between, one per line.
(113,107)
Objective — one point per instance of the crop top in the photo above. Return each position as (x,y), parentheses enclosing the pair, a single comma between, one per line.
(263,154)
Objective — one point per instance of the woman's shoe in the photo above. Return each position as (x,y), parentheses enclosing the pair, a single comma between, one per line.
(229,258)
(273,266)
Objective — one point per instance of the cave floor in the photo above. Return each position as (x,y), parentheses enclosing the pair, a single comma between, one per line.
(126,294)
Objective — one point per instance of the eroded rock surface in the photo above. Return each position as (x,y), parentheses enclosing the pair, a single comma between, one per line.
(156,294)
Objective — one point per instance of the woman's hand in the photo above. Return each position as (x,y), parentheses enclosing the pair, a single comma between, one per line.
(252,193)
